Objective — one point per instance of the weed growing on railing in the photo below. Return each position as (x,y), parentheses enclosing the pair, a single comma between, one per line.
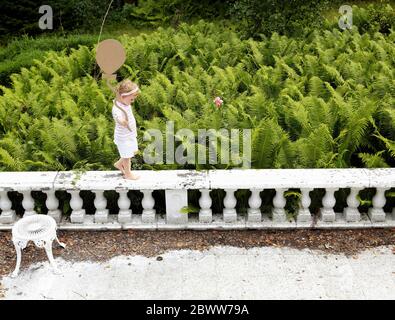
(364,202)
(293,203)
(77,175)
(189,209)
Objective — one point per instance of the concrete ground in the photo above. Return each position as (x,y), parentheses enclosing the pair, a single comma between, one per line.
(219,273)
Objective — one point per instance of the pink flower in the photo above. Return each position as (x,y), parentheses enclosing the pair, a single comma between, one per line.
(218,102)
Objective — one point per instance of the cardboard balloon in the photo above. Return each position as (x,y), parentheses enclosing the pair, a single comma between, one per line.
(110,56)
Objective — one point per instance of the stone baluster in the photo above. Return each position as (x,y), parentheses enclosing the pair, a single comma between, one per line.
(28,203)
(230,202)
(52,204)
(100,202)
(377,214)
(279,203)
(76,203)
(351,212)
(8,215)
(329,201)
(125,213)
(254,202)
(304,214)
(205,202)
(176,201)
(148,203)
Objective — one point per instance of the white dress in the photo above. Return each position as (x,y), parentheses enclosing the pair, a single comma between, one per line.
(125,139)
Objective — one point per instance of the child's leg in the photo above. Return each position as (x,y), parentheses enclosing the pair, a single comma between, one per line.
(126,165)
(128,174)
(119,165)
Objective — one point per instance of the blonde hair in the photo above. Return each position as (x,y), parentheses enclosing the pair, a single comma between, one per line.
(125,86)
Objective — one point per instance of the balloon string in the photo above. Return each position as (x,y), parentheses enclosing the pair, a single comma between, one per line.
(108,79)
(111,86)
(126,116)
(102,25)
(115,92)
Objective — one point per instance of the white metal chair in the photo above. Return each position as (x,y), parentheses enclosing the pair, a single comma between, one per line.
(41,229)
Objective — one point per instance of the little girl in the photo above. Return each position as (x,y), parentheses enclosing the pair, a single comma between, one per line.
(125,132)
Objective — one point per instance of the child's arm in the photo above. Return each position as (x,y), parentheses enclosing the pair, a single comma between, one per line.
(118,117)
(122,122)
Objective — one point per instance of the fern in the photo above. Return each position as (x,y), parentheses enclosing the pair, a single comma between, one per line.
(323,101)
(373,160)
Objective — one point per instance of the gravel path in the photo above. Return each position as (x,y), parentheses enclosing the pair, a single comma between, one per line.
(222,272)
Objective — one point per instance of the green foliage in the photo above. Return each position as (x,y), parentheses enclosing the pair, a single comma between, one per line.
(22,16)
(374,18)
(288,17)
(18,16)
(173,12)
(21,52)
(253,18)
(47,120)
(325,101)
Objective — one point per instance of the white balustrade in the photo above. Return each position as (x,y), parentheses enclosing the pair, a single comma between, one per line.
(205,202)
(230,214)
(279,203)
(28,203)
(125,213)
(176,203)
(76,203)
(254,202)
(304,214)
(377,213)
(52,204)
(351,213)
(176,184)
(8,215)
(329,201)
(148,203)
(100,202)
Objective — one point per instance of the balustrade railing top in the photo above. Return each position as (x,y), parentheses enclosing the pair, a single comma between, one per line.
(192,179)
(175,183)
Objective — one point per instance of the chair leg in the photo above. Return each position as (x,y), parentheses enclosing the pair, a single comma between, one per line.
(48,250)
(18,260)
(60,243)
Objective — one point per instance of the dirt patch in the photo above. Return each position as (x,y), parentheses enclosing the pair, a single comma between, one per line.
(104,245)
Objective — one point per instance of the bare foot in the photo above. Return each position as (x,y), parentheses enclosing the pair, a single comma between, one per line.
(119,167)
(131,176)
